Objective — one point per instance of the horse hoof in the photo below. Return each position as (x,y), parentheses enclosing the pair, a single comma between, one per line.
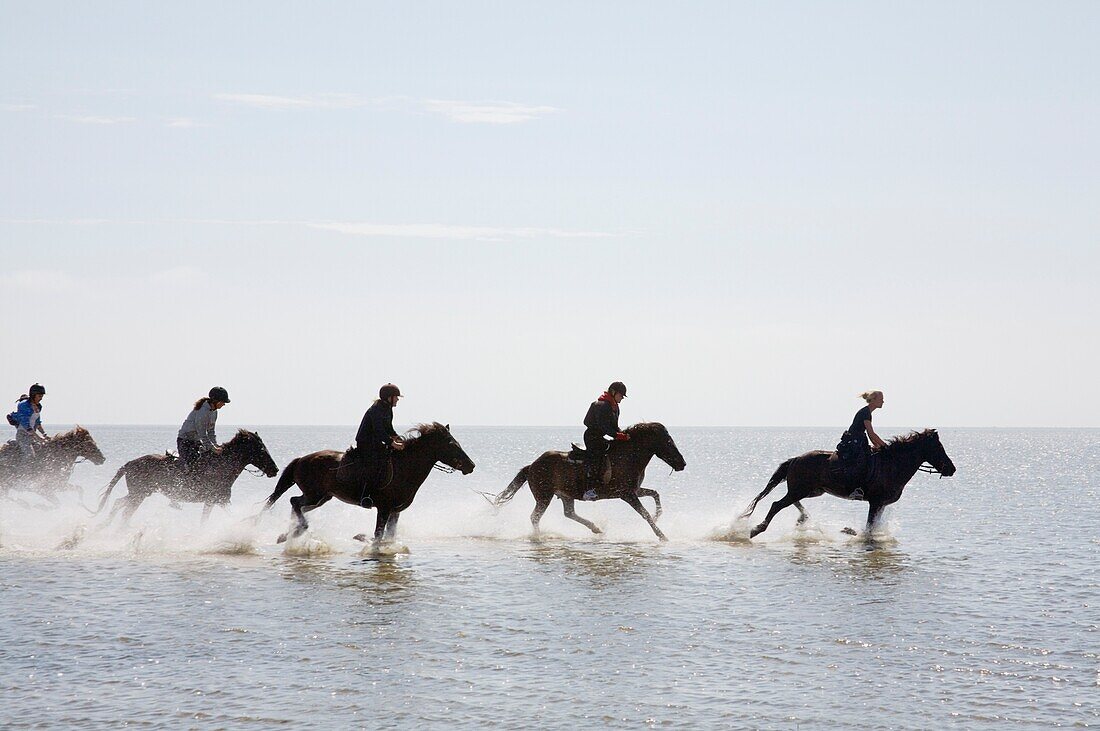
(756,531)
(849,532)
(281,539)
(361,537)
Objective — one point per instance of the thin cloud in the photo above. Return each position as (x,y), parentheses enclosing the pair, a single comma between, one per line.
(95,119)
(50,281)
(185,123)
(184,274)
(354,228)
(446,231)
(18,107)
(315,101)
(486,112)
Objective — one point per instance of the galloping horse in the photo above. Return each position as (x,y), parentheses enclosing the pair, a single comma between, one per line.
(52,466)
(555,473)
(320,479)
(816,473)
(210,482)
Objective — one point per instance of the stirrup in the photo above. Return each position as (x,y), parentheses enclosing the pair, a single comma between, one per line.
(589,495)
(856,494)
(366,502)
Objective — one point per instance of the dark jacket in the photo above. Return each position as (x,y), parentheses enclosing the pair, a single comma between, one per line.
(602,419)
(376,430)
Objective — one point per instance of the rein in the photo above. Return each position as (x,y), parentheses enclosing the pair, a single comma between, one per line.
(487,496)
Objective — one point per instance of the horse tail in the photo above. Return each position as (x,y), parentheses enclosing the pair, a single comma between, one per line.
(103,496)
(286,481)
(513,487)
(779,476)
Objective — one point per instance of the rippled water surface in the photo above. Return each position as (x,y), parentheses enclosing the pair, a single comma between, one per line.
(977,606)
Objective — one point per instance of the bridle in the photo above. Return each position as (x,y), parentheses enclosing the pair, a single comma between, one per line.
(928,469)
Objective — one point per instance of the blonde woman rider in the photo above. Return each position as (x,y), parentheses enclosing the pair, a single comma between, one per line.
(853,450)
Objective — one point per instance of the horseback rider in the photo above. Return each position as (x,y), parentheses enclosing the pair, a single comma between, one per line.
(852,450)
(601,424)
(196,437)
(375,438)
(29,432)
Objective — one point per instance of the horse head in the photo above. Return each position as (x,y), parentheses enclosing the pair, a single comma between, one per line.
(84,446)
(445,447)
(935,455)
(655,436)
(253,451)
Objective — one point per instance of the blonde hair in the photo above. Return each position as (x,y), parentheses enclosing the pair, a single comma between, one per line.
(868,395)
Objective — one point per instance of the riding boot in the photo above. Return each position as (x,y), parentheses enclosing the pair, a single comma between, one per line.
(592,479)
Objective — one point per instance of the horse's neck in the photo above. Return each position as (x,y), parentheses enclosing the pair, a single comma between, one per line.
(415,470)
(636,460)
(907,463)
(228,465)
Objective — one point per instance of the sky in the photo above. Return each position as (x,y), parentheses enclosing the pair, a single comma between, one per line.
(747,212)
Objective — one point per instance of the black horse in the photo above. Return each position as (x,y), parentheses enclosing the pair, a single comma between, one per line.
(817,473)
(210,480)
(562,474)
(321,477)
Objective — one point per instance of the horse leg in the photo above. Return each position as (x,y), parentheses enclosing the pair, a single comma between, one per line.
(296,513)
(380,525)
(391,526)
(804,516)
(778,505)
(874,512)
(132,504)
(646,492)
(567,505)
(634,502)
(541,504)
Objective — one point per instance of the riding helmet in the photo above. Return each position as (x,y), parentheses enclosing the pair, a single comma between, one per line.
(219,394)
(37,388)
(388,390)
(617,387)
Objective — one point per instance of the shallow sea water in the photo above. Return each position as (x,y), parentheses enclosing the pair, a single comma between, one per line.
(977,606)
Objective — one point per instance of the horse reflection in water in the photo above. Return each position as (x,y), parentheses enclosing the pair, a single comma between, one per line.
(555,473)
(319,477)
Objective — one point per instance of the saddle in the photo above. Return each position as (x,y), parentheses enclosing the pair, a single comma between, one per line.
(355,470)
(579,455)
(854,471)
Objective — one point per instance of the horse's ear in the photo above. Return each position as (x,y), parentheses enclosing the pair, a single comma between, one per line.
(447,427)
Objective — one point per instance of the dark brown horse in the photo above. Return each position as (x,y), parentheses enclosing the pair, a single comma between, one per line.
(555,473)
(320,480)
(817,473)
(52,467)
(210,482)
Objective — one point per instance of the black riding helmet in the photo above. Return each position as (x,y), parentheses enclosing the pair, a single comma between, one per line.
(36,388)
(388,391)
(219,394)
(617,387)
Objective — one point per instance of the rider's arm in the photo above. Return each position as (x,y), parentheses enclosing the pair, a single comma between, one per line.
(205,427)
(875,440)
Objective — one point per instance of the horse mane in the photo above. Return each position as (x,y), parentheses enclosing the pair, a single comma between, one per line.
(905,441)
(76,432)
(645,427)
(423,431)
(242,434)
